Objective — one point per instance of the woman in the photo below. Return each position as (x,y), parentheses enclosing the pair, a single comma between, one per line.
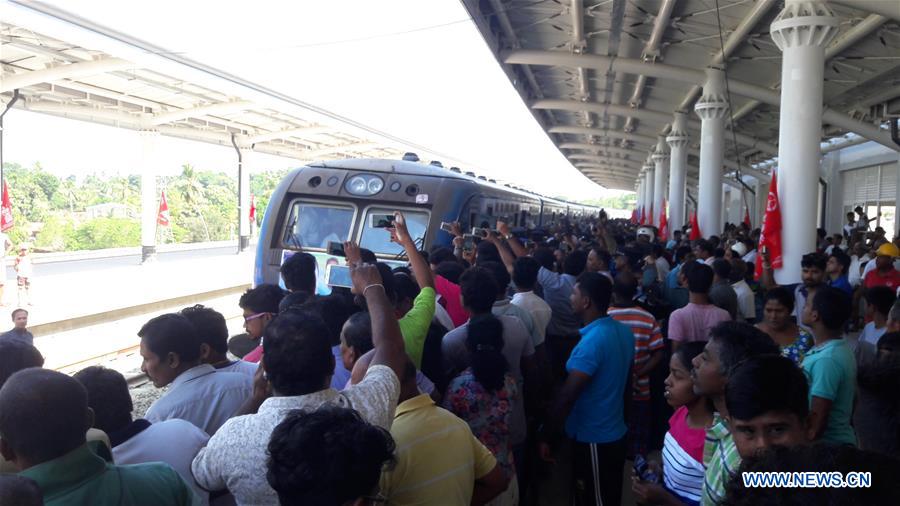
(793,340)
(682,453)
(482,395)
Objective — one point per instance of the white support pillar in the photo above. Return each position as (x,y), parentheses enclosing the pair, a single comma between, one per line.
(651,191)
(801,31)
(712,108)
(661,183)
(640,193)
(678,141)
(736,207)
(149,194)
(245,157)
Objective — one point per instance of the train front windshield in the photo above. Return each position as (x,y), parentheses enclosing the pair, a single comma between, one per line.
(378,240)
(312,225)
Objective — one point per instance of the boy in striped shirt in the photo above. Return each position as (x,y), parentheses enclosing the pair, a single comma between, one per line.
(648,352)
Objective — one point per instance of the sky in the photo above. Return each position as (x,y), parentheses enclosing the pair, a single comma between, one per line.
(417,69)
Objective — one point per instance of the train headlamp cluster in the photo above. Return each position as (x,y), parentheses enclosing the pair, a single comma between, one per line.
(364,185)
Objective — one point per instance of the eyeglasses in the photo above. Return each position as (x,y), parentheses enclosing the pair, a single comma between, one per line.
(375,499)
(255,316)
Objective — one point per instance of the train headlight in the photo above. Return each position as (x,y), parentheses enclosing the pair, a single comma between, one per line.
(364,185)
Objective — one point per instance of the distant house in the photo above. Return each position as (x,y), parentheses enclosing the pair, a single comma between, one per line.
(109,210)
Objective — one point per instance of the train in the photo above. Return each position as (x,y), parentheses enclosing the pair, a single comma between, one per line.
(339,200)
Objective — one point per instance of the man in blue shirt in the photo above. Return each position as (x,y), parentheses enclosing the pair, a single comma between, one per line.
(591,404)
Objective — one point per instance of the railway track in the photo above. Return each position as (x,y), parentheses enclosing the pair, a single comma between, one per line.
(131,352)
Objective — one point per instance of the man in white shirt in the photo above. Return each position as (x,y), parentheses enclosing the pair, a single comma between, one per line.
(503,306)
(197,392)
(850,227)
(746,299)
(524,276)
(175,442)
(298,362)
(213,332)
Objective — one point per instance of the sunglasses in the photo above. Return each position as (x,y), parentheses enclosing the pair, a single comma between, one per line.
(255,316)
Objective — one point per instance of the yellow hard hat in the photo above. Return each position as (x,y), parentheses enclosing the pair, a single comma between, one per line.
(888,249)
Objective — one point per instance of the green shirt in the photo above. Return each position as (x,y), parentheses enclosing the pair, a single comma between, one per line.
(831,370)
(414,325)
(721,459)
(81,477)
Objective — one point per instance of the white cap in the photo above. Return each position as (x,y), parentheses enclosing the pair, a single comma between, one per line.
(739,248)
(646,231)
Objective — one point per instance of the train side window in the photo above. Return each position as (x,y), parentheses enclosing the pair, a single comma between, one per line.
(378,240)
(311,225)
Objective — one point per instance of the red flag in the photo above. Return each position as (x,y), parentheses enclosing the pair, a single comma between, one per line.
(643,216)
(6,216)
(252,209)
(634,216)
(770,236)
(663,223)
(695,228)
(747,218)
(162,218)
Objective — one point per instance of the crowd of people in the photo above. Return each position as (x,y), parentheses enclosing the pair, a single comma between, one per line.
(473,374)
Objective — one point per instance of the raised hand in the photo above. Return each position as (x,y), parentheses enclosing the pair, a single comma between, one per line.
(352,252)
(363,275)
(399,232)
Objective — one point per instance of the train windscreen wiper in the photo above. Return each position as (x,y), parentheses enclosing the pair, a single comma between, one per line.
(293,239)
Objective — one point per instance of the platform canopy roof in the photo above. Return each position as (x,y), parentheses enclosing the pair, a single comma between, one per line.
(603,77)
(56,63)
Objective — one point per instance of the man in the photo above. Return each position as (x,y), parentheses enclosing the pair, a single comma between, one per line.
(836,241)
(299,273)
(722,294)
(170,348)
(525,273)
(414,315)
(327,456)
(439,460)
(598,260)
(694,321)
(592,401)
(260,305)
(830,367)
(298,363)
(478,294)
(19,330)
(767,405)
(745,296)
(850,227)
(213,333)
(836,272)
(813,267)
(862,224)
(175,441)
(704,251)
(676,295)
(884,273)
(893,323)
(43,418)
(648,353)
(662,265)
(504,307)
(729,344)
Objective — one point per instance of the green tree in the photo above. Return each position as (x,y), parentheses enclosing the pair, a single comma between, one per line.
(192,192)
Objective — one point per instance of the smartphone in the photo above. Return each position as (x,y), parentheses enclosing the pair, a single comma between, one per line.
(468,242)
(382,220)
(336,249)
(643,471)
(447,227)
(481,233)
(764,251)
(338,275)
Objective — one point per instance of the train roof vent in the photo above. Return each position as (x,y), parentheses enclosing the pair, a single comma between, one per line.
(470,174)
(482,178)
(456,169)
(492,181)
(437,163)
(410,157)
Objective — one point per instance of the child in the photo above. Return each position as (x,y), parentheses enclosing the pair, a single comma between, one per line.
(24,270)
(683,447)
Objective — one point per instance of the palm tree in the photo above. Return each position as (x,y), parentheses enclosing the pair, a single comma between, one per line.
(69,193)
(192,192)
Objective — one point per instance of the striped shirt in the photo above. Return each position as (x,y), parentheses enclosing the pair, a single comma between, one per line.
(647,339)
(682,458)
(438,458)
(721,458)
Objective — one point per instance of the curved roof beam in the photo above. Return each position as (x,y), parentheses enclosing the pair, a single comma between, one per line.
(70,71)
(196,112)
(285,134)
(644,115)
(687,75)
(650,142)
(604,149)
(885,8)
(356,146)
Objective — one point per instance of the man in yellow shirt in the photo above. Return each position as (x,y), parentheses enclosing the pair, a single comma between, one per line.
(439,460)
